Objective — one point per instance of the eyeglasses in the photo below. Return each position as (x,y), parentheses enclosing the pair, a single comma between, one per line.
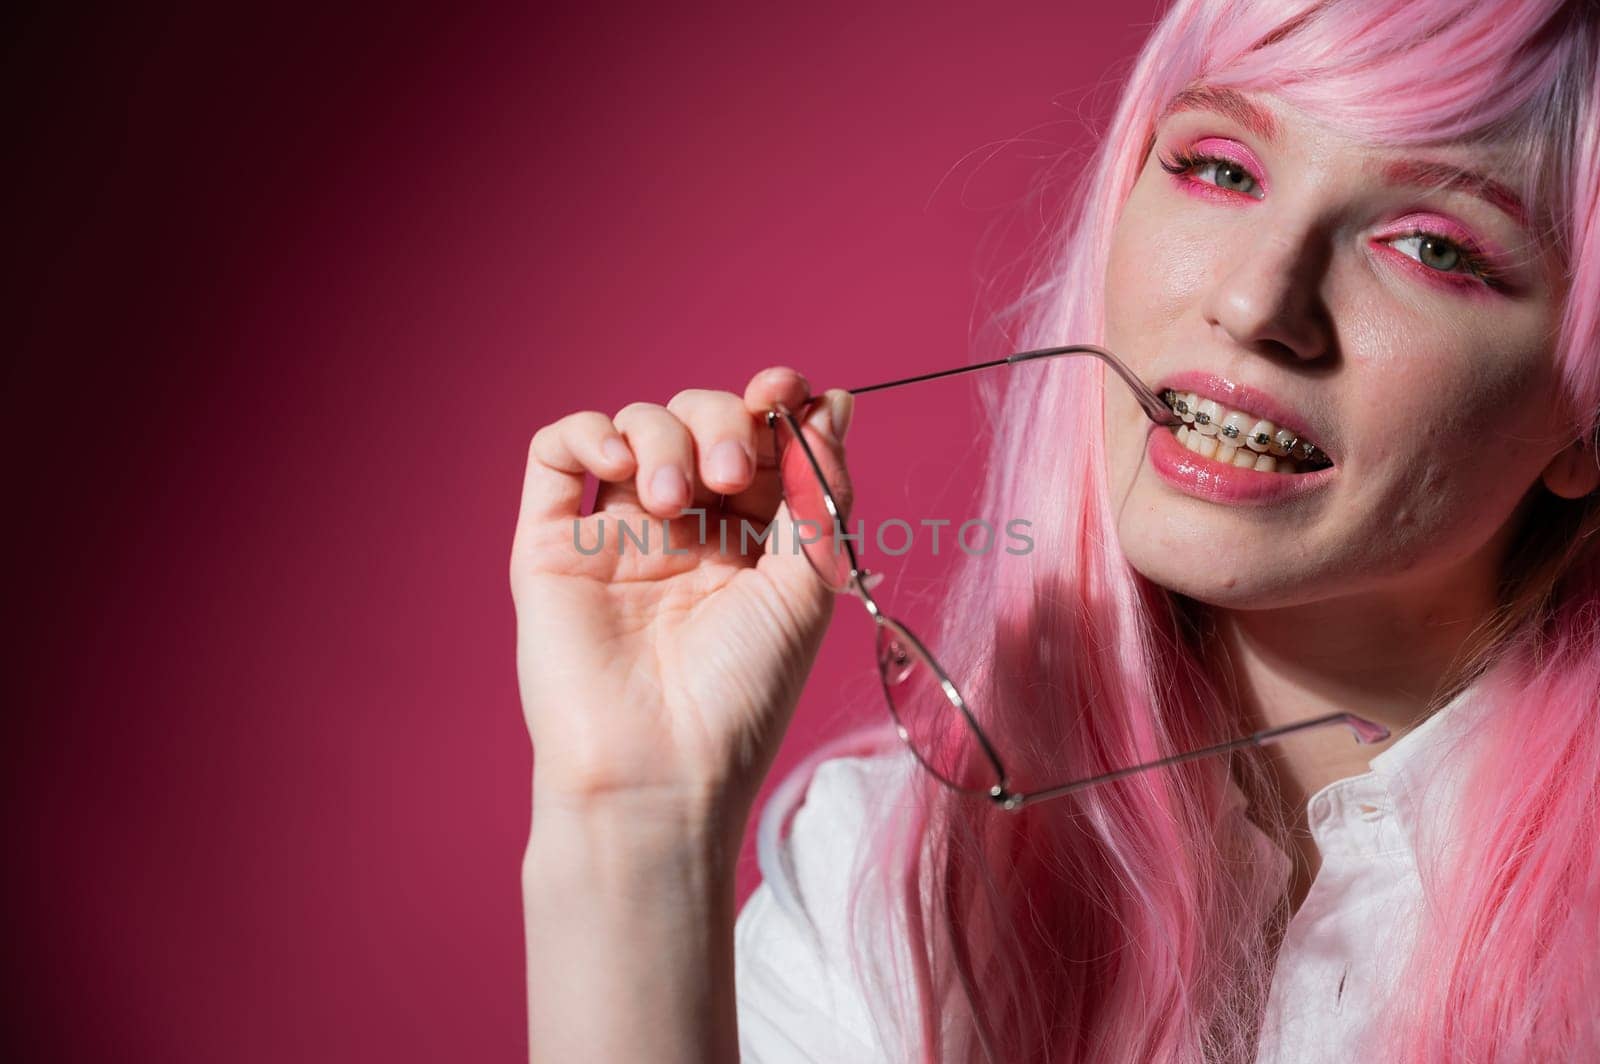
(929,712)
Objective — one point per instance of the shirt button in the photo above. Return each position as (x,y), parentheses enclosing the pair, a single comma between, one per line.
(1320,808)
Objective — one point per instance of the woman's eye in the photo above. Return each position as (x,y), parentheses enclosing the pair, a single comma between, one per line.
(1434,252)
(1230,176)
(1462,263)
(1213,170)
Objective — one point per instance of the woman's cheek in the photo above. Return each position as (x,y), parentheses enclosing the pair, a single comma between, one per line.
(1448,486)
(1160,267)
(1123,281)
(1180,269)
(1154,272)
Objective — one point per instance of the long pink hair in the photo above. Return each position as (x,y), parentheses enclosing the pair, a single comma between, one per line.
(1129,922)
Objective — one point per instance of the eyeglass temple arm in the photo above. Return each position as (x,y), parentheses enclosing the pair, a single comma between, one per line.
(1366,732)
(1154,408)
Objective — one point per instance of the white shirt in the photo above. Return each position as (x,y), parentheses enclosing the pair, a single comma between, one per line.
(799,1001)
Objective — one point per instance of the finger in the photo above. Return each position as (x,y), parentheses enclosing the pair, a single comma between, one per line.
(559,456)
(724,437)
(548,492)
(768,389)
(665,453)
(592,439)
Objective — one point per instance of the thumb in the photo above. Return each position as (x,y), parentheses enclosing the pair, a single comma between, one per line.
(808,542)
(827,420)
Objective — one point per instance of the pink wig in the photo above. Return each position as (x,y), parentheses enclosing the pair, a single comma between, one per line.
(1128,923)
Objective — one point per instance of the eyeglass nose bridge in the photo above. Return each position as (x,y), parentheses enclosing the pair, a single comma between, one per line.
(860,586)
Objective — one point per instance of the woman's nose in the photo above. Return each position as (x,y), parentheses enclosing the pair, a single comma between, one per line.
(1267,296)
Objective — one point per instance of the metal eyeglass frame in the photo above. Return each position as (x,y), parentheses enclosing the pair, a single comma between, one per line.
(860,582)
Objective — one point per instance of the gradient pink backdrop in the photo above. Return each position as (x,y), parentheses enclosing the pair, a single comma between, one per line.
(295,291)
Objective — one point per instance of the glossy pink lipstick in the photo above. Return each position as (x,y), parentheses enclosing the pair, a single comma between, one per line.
(1220,481)
(1207,478)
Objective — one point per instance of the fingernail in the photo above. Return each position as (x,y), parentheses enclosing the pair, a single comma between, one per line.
(821,418)
(841,406)
(615,451)
(669,487)
(727,463)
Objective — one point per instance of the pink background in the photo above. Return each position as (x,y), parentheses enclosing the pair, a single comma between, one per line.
(297,293)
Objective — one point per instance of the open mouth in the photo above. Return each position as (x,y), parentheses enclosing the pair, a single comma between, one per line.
(1240,438)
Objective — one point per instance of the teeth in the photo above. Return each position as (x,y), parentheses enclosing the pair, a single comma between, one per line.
(1239,437)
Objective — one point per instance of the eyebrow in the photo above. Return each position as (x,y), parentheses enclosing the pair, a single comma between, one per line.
(1233,104)
(1228,102)
(1446,175)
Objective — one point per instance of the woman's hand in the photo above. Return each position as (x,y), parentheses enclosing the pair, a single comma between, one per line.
(667,676)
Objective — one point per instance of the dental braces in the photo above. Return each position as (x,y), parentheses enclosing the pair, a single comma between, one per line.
(1298,449)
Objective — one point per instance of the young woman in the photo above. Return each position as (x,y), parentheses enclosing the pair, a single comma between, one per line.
(1374,225)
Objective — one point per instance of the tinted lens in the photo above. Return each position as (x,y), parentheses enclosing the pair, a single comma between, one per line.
(801,467)
(928,712)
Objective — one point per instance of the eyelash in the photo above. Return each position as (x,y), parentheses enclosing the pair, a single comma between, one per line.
(1476,265)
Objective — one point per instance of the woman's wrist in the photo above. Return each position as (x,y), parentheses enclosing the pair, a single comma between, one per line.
(630,909)
(617,836)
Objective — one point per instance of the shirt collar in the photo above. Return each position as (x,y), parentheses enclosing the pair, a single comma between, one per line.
(1422,769)
(1427,767)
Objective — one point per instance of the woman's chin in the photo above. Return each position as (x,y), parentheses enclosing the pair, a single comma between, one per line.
(1268,585)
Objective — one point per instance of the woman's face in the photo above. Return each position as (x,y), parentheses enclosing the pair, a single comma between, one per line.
(1286,283)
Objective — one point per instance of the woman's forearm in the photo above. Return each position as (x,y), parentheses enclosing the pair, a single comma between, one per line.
(629,914)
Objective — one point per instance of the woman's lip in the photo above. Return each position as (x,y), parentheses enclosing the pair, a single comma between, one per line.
(1243,397)
(1206,478)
